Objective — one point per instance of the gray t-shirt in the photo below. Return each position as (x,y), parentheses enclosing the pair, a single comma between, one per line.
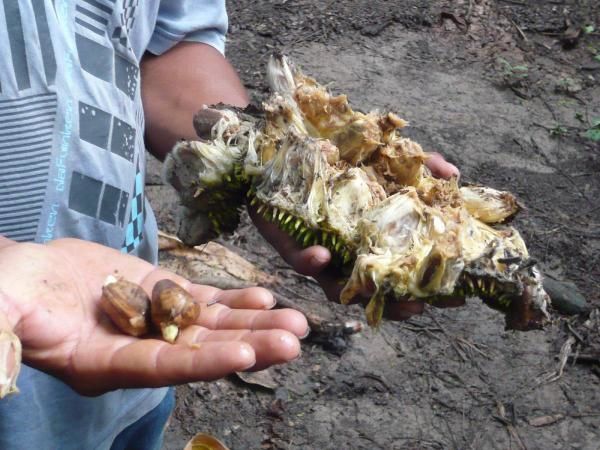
(72,164)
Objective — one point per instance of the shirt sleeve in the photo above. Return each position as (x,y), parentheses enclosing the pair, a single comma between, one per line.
(189,20)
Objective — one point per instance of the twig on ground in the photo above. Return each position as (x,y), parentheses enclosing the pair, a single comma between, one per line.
(565,352)
(451,338)
(320,325)
(509,424)
(469,12)
(519,30)
(379,379)
(575,333)
(474,347)
(514,2)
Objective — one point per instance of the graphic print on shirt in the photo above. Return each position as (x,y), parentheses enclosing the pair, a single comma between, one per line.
(27,118)
(103,130)
(104,52)
(112,64)
(127,16)
(90,196)
(26,135)
(135,227)
(56,139)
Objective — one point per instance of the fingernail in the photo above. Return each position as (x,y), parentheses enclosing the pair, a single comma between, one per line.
(250,366)
(246,352)
(305,335)
(318,261)
(273,304)
(298,356)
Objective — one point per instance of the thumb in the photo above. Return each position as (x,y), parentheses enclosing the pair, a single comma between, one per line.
(307,261)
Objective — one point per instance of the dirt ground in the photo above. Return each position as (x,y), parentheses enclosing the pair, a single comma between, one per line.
(506,90)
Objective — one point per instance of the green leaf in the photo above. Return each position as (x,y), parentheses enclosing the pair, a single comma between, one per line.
(597,57)
(593,134)
(588,29)
(596,122)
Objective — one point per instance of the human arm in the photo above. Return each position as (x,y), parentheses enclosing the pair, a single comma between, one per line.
(177,83)
(50,300)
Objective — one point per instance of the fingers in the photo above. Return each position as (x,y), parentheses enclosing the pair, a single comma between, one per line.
(309,261)
(198,355)
(249,298)
(153,363)
(440,167)
(450,302)
(270,346)
(219,317)
(332,284)
(403,310)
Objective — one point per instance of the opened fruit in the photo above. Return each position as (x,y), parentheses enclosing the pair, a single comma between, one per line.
(349,181)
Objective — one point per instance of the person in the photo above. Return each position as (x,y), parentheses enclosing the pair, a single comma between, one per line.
(85,87)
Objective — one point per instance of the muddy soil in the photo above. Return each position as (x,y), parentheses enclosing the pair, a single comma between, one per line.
(506,90)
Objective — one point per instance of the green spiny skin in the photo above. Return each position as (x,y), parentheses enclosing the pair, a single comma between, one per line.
(484,287)
(493,293)
(502,296)
(223,203)
(343,253)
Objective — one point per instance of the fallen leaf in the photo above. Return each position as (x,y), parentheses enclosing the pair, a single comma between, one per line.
(542,421)
(262,378)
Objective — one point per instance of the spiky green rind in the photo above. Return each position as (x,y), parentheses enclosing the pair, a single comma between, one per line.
(495,293)
(492,292)
(342,252)
(223,202)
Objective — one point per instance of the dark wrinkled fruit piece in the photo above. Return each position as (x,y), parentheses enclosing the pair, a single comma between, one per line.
(173,308)
(127,304)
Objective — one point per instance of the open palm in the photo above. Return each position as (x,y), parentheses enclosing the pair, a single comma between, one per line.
(50,294)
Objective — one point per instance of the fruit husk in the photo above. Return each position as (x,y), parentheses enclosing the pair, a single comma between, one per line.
(10,362)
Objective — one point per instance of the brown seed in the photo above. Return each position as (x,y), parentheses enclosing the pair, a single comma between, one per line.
(173,308)
(127,304)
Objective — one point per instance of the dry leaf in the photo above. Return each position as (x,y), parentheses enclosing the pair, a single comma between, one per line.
(211,264)
(262,378)
(542,421)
